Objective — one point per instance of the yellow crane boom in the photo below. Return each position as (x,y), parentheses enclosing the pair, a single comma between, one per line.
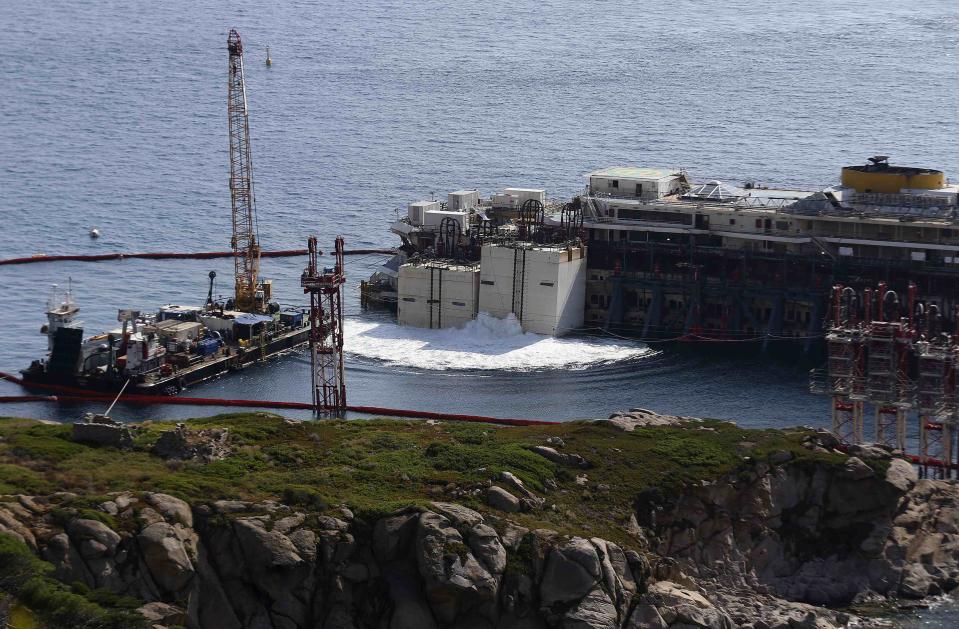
(245,242)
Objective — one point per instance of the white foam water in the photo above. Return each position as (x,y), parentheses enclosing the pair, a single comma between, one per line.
(486,343)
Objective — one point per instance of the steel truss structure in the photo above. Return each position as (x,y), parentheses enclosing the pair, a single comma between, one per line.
(325,287)
(894,357)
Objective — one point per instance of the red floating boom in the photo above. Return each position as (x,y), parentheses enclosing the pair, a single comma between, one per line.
(169,255)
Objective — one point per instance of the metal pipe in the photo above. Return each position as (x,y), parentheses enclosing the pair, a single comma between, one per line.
(122,389)
(894,303)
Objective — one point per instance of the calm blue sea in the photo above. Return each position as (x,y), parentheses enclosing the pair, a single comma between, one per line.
(112,115)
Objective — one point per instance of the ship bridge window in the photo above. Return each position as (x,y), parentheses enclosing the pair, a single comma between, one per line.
(783,225)
(732,221)
(614,183)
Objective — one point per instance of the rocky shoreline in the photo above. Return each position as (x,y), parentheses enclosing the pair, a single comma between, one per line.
(783,540)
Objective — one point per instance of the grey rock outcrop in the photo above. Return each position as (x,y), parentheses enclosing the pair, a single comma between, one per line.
(636,417)
(817,535)
(528,500)
(499,498)
(166,557)
(562,458)
(100,430)
(172,509)
(763,548)
(184,444)
(163,613)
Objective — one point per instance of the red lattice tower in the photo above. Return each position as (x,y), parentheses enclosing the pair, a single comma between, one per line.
(326,329)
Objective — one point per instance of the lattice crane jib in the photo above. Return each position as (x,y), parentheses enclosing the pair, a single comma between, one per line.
(326,329)
(245,241)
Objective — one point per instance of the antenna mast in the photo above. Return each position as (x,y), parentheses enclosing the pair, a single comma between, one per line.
(246,248)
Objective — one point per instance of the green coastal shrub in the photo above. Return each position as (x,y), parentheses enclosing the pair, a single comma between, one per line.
(303,496)
(25,577)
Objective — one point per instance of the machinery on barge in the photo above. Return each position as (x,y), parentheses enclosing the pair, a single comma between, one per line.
(670,258)
(178,346)
(161,352)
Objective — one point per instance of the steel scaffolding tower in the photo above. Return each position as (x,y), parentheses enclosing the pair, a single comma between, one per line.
(897,360)
(845,383)
(935,403)
(845,378)
(887,379)
(326,329)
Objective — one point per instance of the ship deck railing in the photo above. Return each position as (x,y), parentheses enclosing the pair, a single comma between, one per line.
(682,247)
(764,204)
(793,206)
(731,232)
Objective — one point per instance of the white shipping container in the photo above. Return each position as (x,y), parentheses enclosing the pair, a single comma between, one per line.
(504,201)
(433,218)
(416,210)
(525,194)
(462,200)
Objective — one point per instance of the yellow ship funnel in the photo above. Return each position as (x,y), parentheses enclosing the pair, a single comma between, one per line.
(879,177)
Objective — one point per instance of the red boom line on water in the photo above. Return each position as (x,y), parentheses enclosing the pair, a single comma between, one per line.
(202,255)
(73,394)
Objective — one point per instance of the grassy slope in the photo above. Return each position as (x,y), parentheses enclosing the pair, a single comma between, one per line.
(379,465)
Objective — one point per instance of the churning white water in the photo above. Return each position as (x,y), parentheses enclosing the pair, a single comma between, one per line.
(486,343)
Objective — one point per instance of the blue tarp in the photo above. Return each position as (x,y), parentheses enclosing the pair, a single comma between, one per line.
(252,319)
(293,317)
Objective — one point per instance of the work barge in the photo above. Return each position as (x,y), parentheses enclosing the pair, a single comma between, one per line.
(669,258)
(164,351)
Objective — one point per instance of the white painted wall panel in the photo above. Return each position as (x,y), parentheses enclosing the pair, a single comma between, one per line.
(548,293)
(452,302)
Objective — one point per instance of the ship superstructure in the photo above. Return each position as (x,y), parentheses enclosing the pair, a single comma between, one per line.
(672,258)
(720,261)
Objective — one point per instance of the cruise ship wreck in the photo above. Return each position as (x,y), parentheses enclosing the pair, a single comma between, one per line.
(649,253)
